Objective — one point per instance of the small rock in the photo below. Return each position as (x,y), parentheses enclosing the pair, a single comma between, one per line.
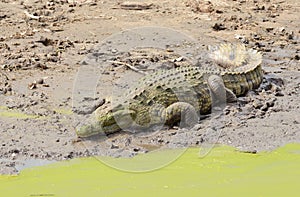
(295,122)
(265,107)
(45,41)
(70,155)
(93,4)
(290,36)
(199,141)
(257,104)
(39,81)
(114,50)
(179,59)
(46,85)
(281,29)
(127,5)
(275,88)
(279,94)
(265,86)
(113,146)
(271,103)
(13,156)
(32,86)
(218,27)
(269,29)
(276,109)
(227,110)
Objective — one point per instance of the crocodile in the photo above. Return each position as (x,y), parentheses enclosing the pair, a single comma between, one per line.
(179,95)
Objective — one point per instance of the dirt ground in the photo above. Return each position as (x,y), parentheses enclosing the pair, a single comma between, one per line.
(43,45)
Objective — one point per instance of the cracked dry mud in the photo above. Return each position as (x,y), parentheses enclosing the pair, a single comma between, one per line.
(43,43)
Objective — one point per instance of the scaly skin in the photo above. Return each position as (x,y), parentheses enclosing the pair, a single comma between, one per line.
(163,96)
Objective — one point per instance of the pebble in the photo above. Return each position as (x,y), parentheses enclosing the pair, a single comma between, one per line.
(257,104)
(136,149)
(114,50)
(13,156)
(265,107)
(113,146)
(279,94)
(32,86)
(39,81)
(218,27)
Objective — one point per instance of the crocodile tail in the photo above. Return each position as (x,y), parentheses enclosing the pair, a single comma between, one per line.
(242,70)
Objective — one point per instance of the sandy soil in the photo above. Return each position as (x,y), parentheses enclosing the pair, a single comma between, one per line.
(43,45)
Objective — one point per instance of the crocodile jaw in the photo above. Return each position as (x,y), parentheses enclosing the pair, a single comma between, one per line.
(89,130)
(109,123)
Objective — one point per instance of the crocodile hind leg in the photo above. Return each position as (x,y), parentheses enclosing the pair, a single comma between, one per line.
(181,111)
(187,114)
(219,92)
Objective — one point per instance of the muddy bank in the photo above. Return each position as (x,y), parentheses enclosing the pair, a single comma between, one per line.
(43,43)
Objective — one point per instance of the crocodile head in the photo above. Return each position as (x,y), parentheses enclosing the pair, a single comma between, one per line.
(111,122)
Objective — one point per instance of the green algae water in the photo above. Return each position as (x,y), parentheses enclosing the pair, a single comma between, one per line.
(5,112)
(9,113)
(223,172)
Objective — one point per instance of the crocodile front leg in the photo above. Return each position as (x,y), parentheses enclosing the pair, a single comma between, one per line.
(219,92)
(181,111)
